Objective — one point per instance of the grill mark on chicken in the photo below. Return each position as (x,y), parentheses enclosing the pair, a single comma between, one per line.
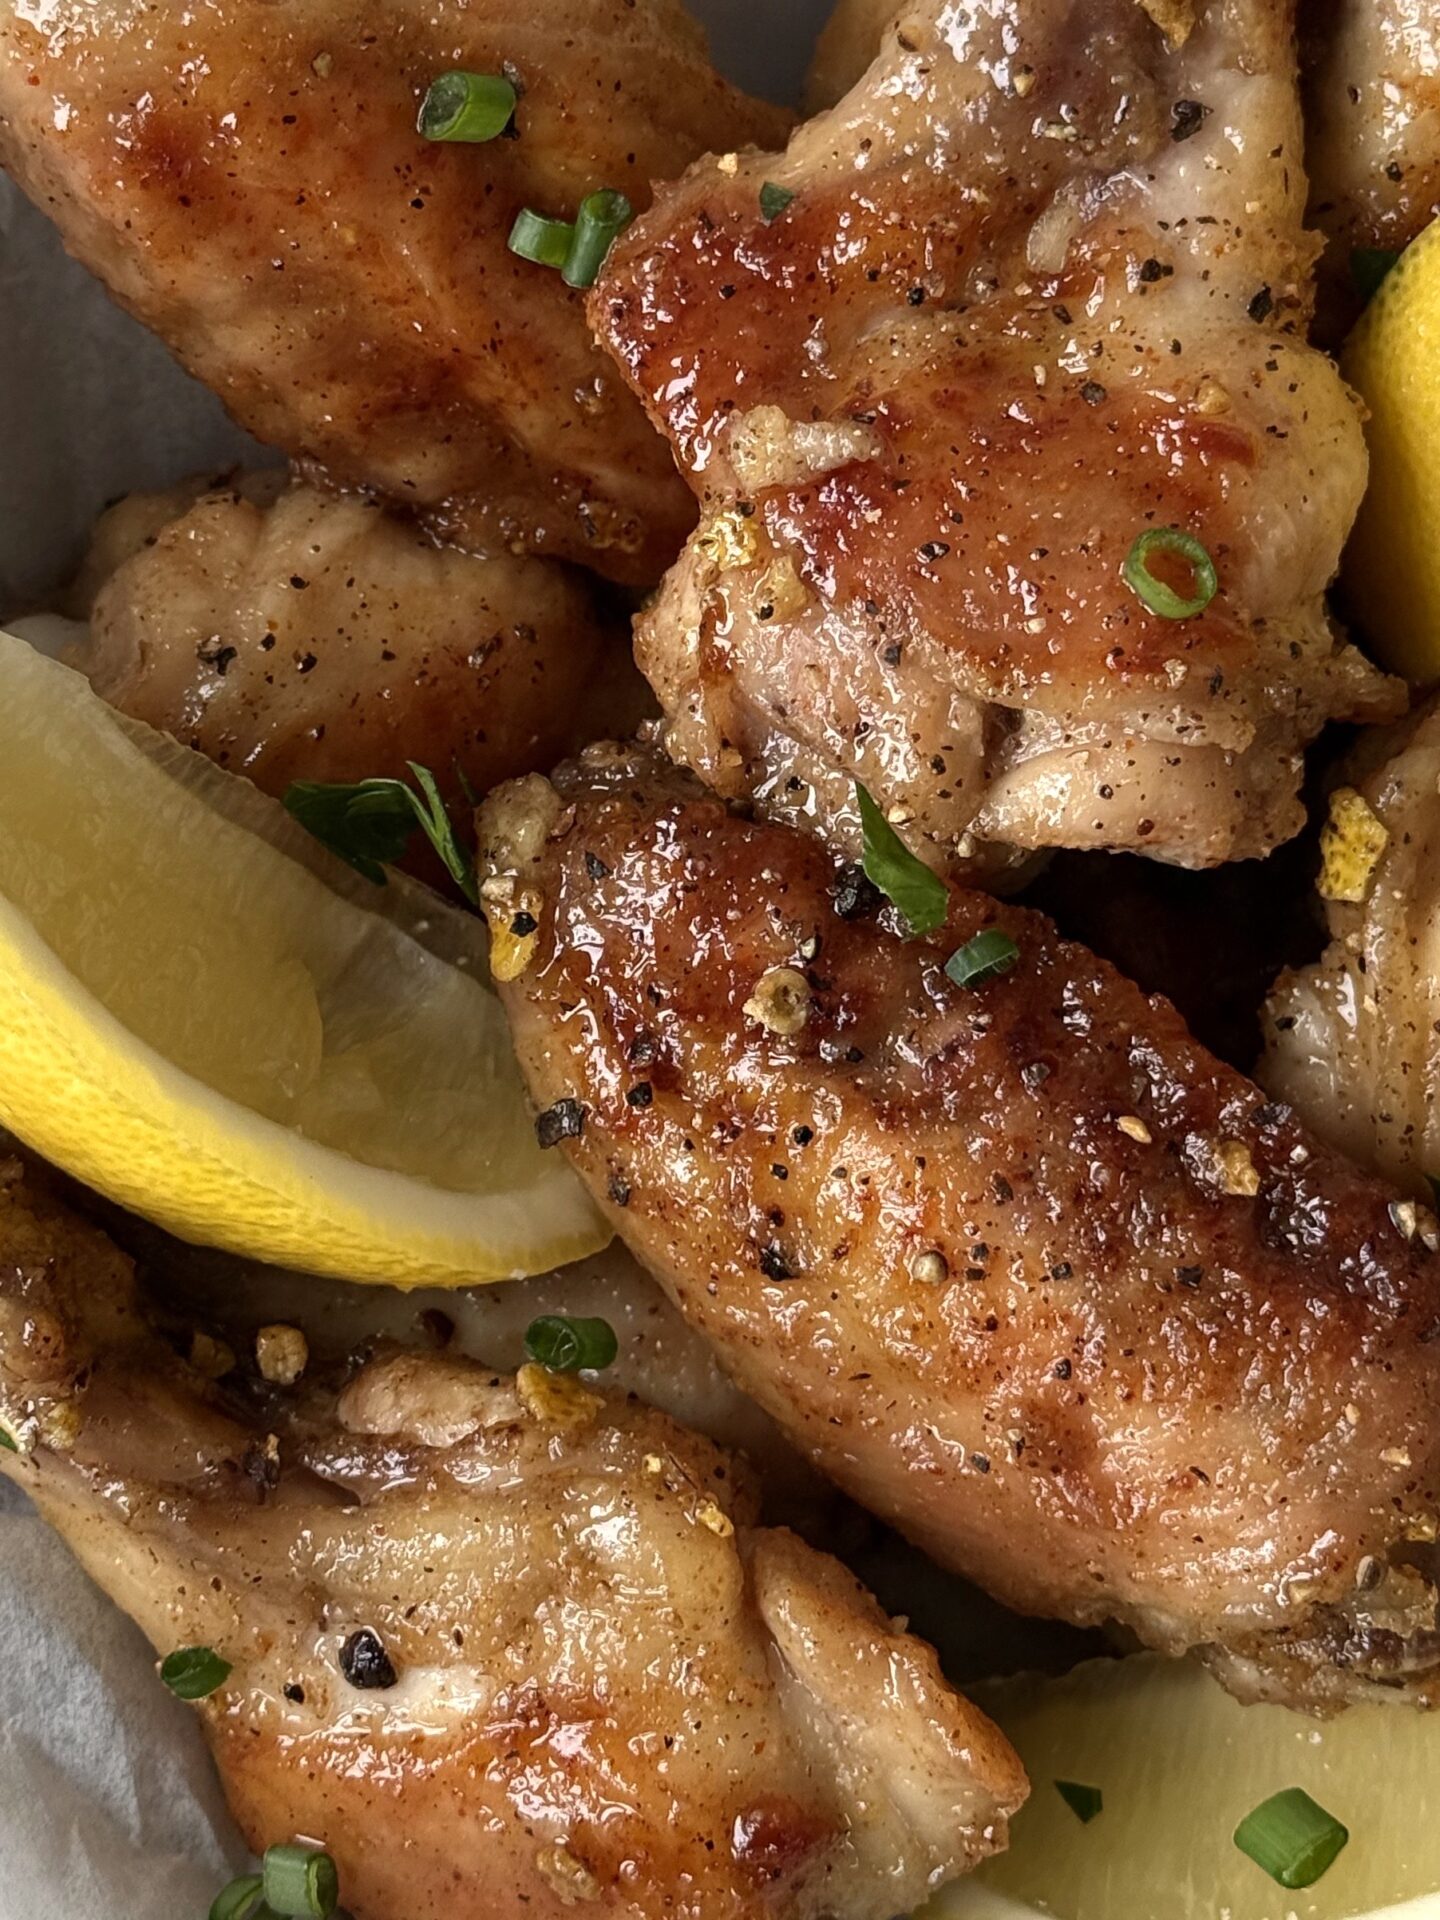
(1067,1300)
(579,1674)
(1010,320)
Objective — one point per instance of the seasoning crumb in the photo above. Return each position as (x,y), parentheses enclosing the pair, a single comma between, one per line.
(1238,1173)
(1368,1573)
(716,1519)
(1403,1217)
(556,1399)
(323,65)
(931,1267)
(780,1002)
(1134,1128)
(1395,1456)
(1352,1414)
(569,1880)
(513,915)
(1351,843)
(281,1353)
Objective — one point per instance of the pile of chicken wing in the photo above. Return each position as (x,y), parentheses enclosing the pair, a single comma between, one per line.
(971,473)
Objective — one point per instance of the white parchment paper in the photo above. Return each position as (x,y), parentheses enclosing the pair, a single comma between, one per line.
(108,1805)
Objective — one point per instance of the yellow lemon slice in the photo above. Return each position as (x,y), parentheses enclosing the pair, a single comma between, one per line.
(209,1019)
(1392,566)
(1179,1765)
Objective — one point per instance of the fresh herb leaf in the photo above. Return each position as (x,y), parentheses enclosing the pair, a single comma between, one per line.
(986,957)
(564,1345)
(1083,1802)
(193,1673)
(921,896)
(1292,1837)
(370,822)
(773,201)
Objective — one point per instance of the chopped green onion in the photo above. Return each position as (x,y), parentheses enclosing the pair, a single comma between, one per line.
(602,218)
(8,1442)
(193,1673)
(1083,1802)
(467,106)
(301,1882)
(546,242)
(1292,1837)
(237,1901)
(1368,268)
(907,883)
(369,824)
(773,201)
(563,1345)
(986,957)
(1159,597)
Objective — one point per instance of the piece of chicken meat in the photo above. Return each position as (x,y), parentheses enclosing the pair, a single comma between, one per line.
(507,1645)
(1372,137)
(291,634)
(1036,287)
(1353,1041)
(252,185)
(1016,1261)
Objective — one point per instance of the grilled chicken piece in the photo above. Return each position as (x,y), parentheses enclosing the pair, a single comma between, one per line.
(1043,287)
(1372,134)
(1018,1264)
(1353,1042)
(506,1645)
(260,196)
(291,634)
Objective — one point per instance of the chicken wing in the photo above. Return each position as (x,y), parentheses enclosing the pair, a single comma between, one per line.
(1372,135)
(292,634)
(1038,286)
(252,185)
(1353,1041)
(507,1645)
(1017,1263)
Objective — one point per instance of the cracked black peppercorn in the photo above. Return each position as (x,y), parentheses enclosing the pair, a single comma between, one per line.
(564,1121)
(365,1663)
(855,895)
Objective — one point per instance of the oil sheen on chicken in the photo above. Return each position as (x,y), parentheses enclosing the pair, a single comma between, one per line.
(1018,1263)
(1037,285)
(1353,1042)
(507,1645)
(290,634)
(252,185)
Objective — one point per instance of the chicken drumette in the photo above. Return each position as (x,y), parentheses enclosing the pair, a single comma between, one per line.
(506,1644)
(1036,287)
(250,181)
(1016,1262)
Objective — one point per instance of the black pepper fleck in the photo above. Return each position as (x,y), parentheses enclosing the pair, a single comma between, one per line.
(640,1095)
(855,895)
(564,1121)
(365,1663)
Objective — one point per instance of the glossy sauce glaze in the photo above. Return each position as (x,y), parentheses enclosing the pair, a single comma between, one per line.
(1019,1265)
(1042,285)
(261,198)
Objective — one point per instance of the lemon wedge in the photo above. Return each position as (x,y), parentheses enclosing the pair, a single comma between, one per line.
(1179,1764)
(209,1019)
(1392,566)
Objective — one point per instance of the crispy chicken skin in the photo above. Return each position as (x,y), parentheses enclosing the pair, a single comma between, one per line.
(1372,132)
(292,634)
(1043,286)
(1020,1265)
(248,179)
(1353,1041)
(504,1644)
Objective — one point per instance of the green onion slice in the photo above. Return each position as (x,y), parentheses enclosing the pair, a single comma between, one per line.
(986,957)
(369,823)
(8,1442)
(1292,1837)
(1156,594)
(194,1673)
(1083,1802)
(1368,268)
(237,1901)
(602,218)
(467,106)
(773,201)
(546,242)
(921,896)
(301,1882)
(563,1345)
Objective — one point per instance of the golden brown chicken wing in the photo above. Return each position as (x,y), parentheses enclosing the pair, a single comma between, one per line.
(291,634)
(1037,287)
(249,180)
(506,1644)
(1016,1262)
